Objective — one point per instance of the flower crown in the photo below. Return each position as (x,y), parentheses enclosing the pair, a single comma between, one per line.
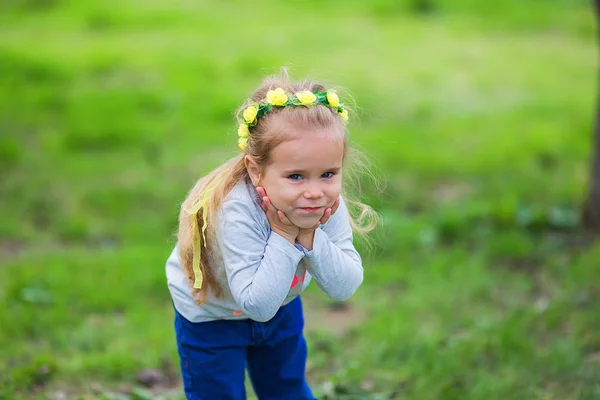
(279,98)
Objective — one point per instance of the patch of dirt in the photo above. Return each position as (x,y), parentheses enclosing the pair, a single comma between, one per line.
(159,380)
(336,318)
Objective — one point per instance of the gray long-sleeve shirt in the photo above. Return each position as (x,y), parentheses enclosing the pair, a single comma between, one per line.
(259,270)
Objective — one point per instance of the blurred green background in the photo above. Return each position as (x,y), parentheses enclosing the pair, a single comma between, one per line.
(478,116)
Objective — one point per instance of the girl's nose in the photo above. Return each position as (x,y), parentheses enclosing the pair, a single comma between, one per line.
(313,193)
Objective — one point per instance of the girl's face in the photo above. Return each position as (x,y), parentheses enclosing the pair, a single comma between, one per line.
(304,176)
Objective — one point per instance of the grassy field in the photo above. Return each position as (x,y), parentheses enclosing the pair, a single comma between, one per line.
(478,118)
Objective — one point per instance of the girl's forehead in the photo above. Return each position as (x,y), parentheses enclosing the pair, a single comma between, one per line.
(309,151)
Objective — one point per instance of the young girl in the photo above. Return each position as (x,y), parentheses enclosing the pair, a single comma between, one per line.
(253,234)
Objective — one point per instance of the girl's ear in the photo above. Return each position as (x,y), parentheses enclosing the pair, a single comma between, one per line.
(253,170)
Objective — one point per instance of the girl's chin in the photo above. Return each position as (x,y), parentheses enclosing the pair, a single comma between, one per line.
(305,223)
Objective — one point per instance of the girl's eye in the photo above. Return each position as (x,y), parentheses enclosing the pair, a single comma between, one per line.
(327,175)
(295,177)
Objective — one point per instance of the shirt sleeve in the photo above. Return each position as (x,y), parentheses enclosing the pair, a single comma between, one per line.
(333,262)
(260,266)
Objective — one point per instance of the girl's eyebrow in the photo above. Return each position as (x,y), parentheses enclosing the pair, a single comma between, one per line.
(299,171)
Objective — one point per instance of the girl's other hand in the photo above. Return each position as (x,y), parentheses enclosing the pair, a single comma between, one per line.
(329,212)
(279,222)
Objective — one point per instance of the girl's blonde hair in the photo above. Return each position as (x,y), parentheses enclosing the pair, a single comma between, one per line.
(266,135)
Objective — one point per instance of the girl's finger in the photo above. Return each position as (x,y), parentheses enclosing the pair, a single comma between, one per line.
(261,193)
(268,204)
(326,216)
(283,218)
(335,205)
(272,212)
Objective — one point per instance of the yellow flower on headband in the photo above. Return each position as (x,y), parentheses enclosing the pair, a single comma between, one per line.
(344,115)
(333,99)
(277,97)
(306,98)
(243,143)
(250,114)
(243,131)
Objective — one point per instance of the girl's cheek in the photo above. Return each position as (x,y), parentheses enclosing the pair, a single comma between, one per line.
(334,192)
(288,194)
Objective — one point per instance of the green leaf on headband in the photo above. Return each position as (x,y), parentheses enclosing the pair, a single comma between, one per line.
(293,100)
(263,109)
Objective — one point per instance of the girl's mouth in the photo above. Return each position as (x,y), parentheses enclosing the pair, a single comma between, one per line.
(311,209)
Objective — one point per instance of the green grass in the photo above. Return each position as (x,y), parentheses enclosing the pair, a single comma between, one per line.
(479,119)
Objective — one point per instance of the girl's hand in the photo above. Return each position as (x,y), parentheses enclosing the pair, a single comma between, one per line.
(329,212)
(277,219)
(306,236)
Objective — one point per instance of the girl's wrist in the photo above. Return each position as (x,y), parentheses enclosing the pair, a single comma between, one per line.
(306,238)
(285,235)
